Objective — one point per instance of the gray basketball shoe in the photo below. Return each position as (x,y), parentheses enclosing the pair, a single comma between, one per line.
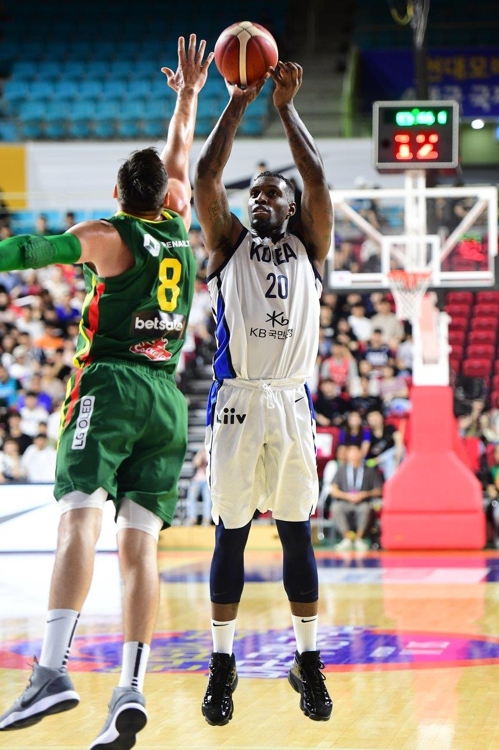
(127,716)
(49,691)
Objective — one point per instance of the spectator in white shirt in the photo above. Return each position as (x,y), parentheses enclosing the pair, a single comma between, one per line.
(32,414)
(39,460)
(359,322)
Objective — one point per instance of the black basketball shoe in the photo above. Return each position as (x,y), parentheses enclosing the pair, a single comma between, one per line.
(306,678)
(218,706)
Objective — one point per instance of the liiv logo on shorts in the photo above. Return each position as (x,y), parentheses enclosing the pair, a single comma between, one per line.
(229,416)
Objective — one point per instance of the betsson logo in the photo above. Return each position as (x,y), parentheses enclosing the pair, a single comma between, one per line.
(157,325)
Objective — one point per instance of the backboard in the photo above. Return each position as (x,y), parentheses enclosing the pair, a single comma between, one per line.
(450,231)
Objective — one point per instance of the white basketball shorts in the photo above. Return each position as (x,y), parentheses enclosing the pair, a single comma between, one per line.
(261,448)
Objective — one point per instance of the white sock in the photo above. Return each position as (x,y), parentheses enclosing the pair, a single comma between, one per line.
(223,636)
(59,631)
(133,668)
(305,633)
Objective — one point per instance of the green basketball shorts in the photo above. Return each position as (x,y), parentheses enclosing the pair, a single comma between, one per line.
(123,428)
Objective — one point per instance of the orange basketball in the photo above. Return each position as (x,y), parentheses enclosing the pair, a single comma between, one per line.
(244,52)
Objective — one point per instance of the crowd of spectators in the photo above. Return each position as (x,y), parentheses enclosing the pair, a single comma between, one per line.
(360,386)
(39,324)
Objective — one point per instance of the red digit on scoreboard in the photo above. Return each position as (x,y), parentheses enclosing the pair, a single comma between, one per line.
(427,149)
(403,148)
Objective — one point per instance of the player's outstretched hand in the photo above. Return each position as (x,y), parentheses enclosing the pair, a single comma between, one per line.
(191,71)
(287,77)
(250,92)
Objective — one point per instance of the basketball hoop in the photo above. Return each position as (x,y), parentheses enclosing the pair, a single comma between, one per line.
(408,289)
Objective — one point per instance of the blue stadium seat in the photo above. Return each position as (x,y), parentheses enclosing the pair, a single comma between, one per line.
(15,92)
(49,70)
(32,110)
(97,69)
(74,69)
(105,128)
(9,50)
(121,68)
(57,109)
(91,88)
(80,129)
(139,87)
(133,109)
(143,68)
(154,127)
(83,109)
(115,88)
(31,130)
(251,126)
(66,89)
(31,50)
(59,49)
(104,49)
(8,131)
(80,50)
(107,109)
(23,222)
(41,90)
(56,130)
(24,69)
(204,126)
(129,128)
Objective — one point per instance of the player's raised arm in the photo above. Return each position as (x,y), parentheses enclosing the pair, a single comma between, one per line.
(187,81)
(316,207)
(220,227)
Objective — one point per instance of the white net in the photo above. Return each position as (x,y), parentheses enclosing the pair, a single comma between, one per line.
(408,289)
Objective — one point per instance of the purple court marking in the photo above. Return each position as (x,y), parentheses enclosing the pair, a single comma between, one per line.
(269,654)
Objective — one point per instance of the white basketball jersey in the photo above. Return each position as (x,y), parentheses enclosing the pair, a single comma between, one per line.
(265,300)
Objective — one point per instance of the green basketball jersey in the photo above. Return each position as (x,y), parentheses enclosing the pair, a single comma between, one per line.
(141,315)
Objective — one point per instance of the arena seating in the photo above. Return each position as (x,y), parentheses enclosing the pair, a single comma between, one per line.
(473,335)
(46,83)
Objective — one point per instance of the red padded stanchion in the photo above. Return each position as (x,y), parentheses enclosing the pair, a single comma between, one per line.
(433,501)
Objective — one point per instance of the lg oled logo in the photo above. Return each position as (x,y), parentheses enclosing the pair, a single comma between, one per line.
(229,416)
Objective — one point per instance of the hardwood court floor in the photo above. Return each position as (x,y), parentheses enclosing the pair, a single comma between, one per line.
(410,642)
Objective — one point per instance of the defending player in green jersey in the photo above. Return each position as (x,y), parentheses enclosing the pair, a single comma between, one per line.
(124,421)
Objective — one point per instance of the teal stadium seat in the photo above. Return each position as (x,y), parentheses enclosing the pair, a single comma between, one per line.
(48,70)
(66,89)
(140,87)
(15,92)
(91,88)
(73,69)
(129,128)
(154,127)
(41,89)
(105,128)
(121,69)
(80,129)
(114,88)
(8,131)
(97,69)
(31,130)
(25,69)
(32,110)
(133,109)
(55,130)
(252,126)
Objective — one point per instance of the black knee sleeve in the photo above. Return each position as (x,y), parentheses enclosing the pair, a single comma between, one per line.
(227,564)
(300,577)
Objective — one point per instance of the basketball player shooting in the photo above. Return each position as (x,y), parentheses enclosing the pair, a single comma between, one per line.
(265,285)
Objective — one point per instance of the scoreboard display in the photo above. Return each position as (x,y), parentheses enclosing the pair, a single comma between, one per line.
(415,135)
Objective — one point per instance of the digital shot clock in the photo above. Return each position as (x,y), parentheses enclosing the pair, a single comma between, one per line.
(415,135)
